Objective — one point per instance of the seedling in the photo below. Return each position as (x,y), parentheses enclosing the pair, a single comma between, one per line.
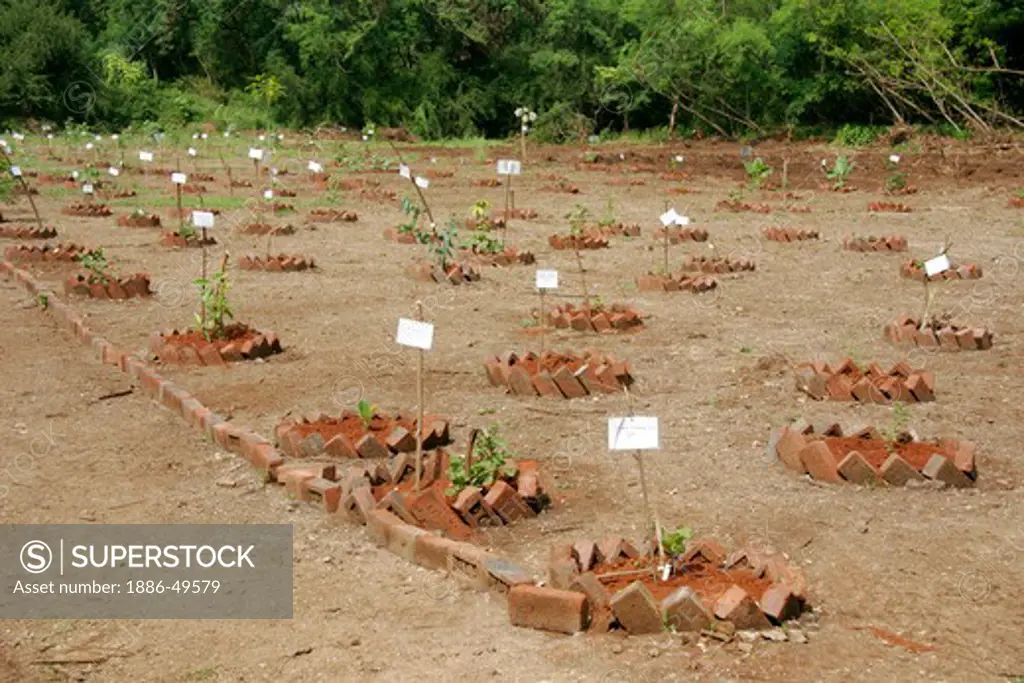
(577,218)
(609,214)
(840,171)
(486,463)
(757,172)
(214,309)
(43,300)
(96,263)
(896,180)
(443,249)
(929,295)
(413,212)
(674,542)
(366,411)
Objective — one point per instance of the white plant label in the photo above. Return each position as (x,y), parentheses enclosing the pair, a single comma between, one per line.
(114,171)
(268,194)
(939,264)
(415,333)
(262,138)
(404,171)
(682,220)
(422,182)
(18,136)
(88,145)
(633,433)
(547,279)
(895,158)
(509,167)
(255,154)
(666,571)
(191,151)
(669,217)
(87,188)
(202,219)
(16,171)
(315,167)
(204,136)
(74,174)
(179,178)
(145,156)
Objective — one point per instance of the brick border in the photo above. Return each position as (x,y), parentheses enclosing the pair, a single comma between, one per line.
(906,332)
(217,353)
(569,375)
(332,216)
(888,207)
(150,220)
(776,234)
(457,274)
(266,229)
(24,232)
(587,241)
(276,264)
(848,382)
(872,243)
(608,320)
(509,257)
(715,265)
(115,288)
(173,239)
(968,271)
(369,444)
(84,210)
(46,253)
(679,233)
(675,283)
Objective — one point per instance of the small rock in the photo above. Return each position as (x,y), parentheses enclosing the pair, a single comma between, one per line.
(653,652)
(355,642)
(745,648)
(617,648)
(87,515)
(797,636)
(328,559)
(726,627)
(292,506)
(747,636)
(227,483)
(774,634)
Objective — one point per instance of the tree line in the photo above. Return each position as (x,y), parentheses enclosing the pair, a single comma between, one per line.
(460,68)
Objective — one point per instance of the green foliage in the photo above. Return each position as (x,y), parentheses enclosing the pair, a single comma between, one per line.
(757,172)
(443,248)
(213,302)
(855,136)
(577,218)
(96,263)
(674,543)
(840,171)
(366,411)
(489,455)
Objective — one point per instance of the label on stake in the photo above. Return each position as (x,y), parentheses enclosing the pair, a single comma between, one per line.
(16,171)
(179,178)
(114,171)
(191,151)
(547,279)
(202,219)
(268,194)
(509,167)
(404,171)
(255,154)
(422,183)
(415,333)
(669,217)
(633,433)
(87,188)
(315,167)
(145,156)
(939,264)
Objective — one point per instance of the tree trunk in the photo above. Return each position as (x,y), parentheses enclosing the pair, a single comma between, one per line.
(672,117)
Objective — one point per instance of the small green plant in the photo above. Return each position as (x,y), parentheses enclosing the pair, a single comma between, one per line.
(609,214)
(840,171)
(855,136)
(413,211)
(577,219)
(96,263)
(481,210)
(443,248)
(43,300)
(597,304)
(489,455)
(757,172)
(674,543)
(745,349)
(366,411)
(214,307)
(898,423)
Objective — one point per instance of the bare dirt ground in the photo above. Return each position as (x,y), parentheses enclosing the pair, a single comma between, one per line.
(940,569)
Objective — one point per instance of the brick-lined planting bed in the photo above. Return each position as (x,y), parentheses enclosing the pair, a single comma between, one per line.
(872,243)
(86,210)
(569,375)
(610,583)
(679,233)
(513,214)
(510,256)
(1016,203)
(937,334)
(706,264)
(348,436)
(266,229)
(173,239)
(24,232)
(848,382)
(193,188)
(456,274)
(332,216)
(862,456)
(737,206)
(776,234)
(189,347)
(275,264)
(396,235)
(114,288)
(150,220)
(585,241)
(675,283)
(60,252)
(613,229)
(609,319)
(888,207)
(914,270)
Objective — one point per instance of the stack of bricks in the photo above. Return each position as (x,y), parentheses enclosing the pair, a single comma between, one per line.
(173,239)
(456,273)
(872,243)
(584,241)
(348,436)
(914,270)
(680,233)
(589,567)
(568,375)
(888,207)
(113,288)
(675,283)
(848,382)
(276,264)
(777,234)
(860,455)
(939,335)
(188,348)
(61,252)
(507,257)
(266,229)
(705,264)
(614,318)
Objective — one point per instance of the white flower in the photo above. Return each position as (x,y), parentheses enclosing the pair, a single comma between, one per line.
(74,174)
(203,136)
(533,116)
(227,134)
(525,128)
(88,145)
(195,136)
(519,111)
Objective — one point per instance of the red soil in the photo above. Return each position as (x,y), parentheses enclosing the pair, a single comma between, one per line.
(236,332)
(876,453)
(708,581)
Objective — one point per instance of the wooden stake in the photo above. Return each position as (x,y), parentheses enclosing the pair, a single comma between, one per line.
(419,405)
(583,277)
(649,510)
(181,215)
(469,451)
(25,189)
(504,228)
(543,322)
(412,179)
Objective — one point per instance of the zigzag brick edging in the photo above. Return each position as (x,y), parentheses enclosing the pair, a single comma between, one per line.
(266,229)
(914,270)
(114,288)
(61,252)
(613,229)
(510,256)
(136,221)
(939,335)
(87,210)
(789,234)
(457,274)
(872,243)
(305,438)
(678,233)
(218,352)
(848,382)
(567,375)
(332,216)
(467,563)
(705,264)
(675,283)
(585,241)
(173,239)
(861,456)
(888,207)
(514,214)
(614,318)
(275,264)
(24,232)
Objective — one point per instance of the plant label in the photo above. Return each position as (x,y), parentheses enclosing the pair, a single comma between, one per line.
(422,182)
(88,145)
(268,194)
(404,171)
(114,171)
(145,156)
(669,217)
(179,178)
(16,171)
(191,151)
(415,333)
(939,264)
(255,154)
(509,167)
(74,174)
(87,188)
(18,136)
(666,571)
(315,167)
(633,433)
(262,138)
(547,279)
(682,220)
(894,158)
(202,219)
(204,136)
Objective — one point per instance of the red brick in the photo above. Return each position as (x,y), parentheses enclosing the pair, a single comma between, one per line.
(528,480)
(926,339)
(788,450)
(947,339)
(358,504)
(812,383)
(856,469)
(613,548)
(598,599)
(964,458)
(504,500)
(327,492)
(568,384)
(780,604)
(209,355)
(897,472)
(737,606)
(965,339)
(432,511)
(545,385)
(494,374)
(600,323)
(586,555)
(683,610)
(840,388)
(982,338)
(400,440)
(819,462)
(636,610)
(340,447)
(519,382)
(707,549)
(379,524)
(942,469)
(264,457)
(918,386)
(369,447)
(434,552)
(549,609)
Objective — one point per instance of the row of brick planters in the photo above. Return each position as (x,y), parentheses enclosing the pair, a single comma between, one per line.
(776,234)
(680,282)
(606,320)
(348,436)
(569,375)
(612,229)
(610,583)
(87,210)
(888,207)
(680,233)
(937,334)
(584,241)
(872,243)
(510,256)
(280,263)
(914,270)
(150,220)
(173,239)
(46,253)
(189,347)
(848,382)
(860,455)
(716,265)
(114,288)
(455,273)
(25,232)
(332,216)
(266,229)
